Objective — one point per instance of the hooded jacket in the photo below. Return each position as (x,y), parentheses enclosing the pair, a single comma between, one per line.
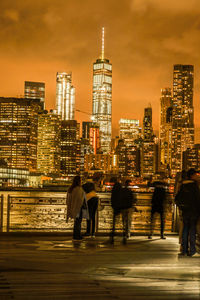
(188,198)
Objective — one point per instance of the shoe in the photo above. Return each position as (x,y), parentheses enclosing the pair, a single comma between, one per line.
(150,237)
(93,236)
(195,255)
(163,237)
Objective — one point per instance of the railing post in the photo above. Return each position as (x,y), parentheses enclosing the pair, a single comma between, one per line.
(8,214)
(1,225)
(97,218)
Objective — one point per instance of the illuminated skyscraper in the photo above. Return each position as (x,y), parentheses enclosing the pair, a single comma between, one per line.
(70,148)
(94,138)
(147,124)
(102,98)
(148,157)
(165,126)
(35,90)
(182,114)
(48,150)
(129,131)
(18,132)
(65,96)
(86,129)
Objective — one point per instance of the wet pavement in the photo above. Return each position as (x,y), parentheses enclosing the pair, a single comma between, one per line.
(55,267)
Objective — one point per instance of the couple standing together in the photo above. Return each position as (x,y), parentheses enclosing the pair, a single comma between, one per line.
(122,201)
(82,202)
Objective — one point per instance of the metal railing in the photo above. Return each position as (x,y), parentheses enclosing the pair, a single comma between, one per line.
(1,213)
(48,213)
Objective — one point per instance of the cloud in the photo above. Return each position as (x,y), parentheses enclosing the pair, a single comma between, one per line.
(168,6)
(12,15)
(143,39)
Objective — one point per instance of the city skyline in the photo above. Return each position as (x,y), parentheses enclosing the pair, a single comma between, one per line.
(142,56)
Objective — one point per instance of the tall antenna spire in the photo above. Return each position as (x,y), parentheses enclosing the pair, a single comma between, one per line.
(102,46)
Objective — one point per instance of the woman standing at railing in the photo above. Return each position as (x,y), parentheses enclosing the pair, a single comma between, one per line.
(76,202)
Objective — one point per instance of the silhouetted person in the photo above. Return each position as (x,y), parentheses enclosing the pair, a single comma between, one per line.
(180,177)
(92,201)
(116,203)
(157,206)
(188,201)
(127,208)
(75,202)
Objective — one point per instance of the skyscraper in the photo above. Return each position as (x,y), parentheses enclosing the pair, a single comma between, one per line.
(102,98)
(70,156)
(48,150)
(165,126)
(182,113)
(35,90)
(148,158)
(129,131)
(147,124)
(18,132)
(65,96)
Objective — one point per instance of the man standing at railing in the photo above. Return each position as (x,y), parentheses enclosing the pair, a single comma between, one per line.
(129,200)
(157,206)
(116,203)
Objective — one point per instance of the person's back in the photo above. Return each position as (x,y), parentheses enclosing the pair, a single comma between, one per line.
(116,196)
(158,198)
(128,197)
(188,198)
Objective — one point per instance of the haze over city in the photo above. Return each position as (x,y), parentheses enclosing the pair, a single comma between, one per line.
(143,40)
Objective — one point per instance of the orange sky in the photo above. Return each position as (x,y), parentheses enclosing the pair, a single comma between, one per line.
(143,40)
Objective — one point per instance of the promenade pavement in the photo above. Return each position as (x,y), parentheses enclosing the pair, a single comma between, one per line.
(55,267)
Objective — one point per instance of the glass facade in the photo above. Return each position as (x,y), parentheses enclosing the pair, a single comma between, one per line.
(166,126)
(65,96)
(48,151)
(182,114)
(102,101)
(70,148)
(13,177)
(35,90)
(129,131)
(18,132)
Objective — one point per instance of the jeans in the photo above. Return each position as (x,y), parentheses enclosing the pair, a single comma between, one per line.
(92,207)
(126,220)
(77,227)
(161,221)
(116,213)
(189,234)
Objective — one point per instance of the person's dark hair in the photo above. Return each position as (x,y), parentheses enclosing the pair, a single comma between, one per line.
(76,182)
(191,172)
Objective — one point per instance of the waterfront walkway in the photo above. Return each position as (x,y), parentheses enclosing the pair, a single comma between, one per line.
(54,267)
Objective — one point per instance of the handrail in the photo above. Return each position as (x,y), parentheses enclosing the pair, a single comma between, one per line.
(29,213)
(1,224)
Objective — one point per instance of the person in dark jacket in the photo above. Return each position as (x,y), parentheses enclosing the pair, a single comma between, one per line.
(116,203)
(157,206)
(129,200)
(92,202)
(188,201)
